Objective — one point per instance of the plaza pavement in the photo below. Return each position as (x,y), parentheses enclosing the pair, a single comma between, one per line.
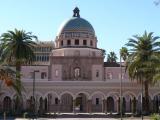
(84,119)
(80,116)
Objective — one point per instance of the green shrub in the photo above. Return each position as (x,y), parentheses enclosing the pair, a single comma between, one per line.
(155,117)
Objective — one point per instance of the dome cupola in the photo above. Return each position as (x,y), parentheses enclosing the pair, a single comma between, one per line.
(76,31)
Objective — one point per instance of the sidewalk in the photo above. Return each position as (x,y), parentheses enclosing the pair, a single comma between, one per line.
(84,119)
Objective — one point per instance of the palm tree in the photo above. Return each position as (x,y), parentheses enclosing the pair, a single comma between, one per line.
(17,49)
(124,53)
(111,57)
(143,60)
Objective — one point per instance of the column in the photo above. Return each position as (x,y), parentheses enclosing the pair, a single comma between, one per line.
(89,106)
(133,106)
(104,106)
(59,106)
(118,105)
(74,104)
(152,106)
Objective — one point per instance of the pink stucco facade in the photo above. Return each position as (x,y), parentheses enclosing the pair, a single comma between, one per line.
(76,78)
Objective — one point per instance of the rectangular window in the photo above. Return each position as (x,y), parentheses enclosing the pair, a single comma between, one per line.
(109,75)
(97,73)
(43,75)
(68,42)
(91,43)
(76,42)
(97,101)
(56,73)
(84,42)
(62,43)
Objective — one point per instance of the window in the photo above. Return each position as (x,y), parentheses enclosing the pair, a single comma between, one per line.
(97,73)
(109,75)
(42,58)
(76,72)
(84,42)
(91,43)
(62,43)
(37,58)
(56,101)
(68,42)
(123,75)
(97,101)
(56,73)
(43,75)
(76,42)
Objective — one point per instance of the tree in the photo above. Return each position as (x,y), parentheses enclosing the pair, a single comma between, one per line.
(143,60)
(16,48)
(111,57)
(103,52)
(8,75)
(124,53)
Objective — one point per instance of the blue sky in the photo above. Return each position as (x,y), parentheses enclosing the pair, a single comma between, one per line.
(114,21)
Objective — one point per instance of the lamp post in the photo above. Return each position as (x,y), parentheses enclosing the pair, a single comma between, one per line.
(142,100)
(33,100)
(121,88)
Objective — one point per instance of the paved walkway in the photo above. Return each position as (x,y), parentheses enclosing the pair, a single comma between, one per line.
(84,119)
(81,116)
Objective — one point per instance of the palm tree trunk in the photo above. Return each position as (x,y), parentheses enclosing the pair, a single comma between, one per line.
(146,107)
(19,96)
(18,69)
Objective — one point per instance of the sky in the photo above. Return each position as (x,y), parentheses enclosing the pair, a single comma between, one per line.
(114,21)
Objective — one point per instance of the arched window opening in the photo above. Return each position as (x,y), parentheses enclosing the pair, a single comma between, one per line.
(76,72)
(97,73)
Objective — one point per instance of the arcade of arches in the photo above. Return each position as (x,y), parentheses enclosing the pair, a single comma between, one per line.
(82,102)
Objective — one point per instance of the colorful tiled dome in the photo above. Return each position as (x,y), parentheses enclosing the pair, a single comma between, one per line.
(76,24)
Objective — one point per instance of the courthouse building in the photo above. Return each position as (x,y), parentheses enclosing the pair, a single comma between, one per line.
(71,76)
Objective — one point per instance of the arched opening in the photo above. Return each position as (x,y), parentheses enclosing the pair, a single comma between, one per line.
(141,104)
(110,104)
(124,105)
(66,103)
(7,104)
(156,103)
(45,104)
(127,103)
(134,107)
(97,102)
(77,73)
(31,104)
(53,102)
(80,103)
(40,109)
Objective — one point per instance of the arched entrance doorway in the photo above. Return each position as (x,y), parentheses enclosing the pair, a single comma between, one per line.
(80,103)
(110,104)
(66,103)
(7,104)
(156,103)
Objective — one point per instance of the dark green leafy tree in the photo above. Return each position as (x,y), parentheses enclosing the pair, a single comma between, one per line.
(111,57)
(143,60)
